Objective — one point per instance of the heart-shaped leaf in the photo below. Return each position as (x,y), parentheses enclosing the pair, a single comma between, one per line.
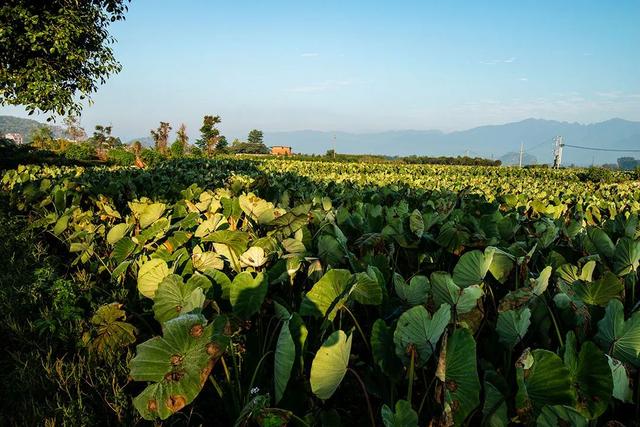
(247,293)
(418,331)
(330,364)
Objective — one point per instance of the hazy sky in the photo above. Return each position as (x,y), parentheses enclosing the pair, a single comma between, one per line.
(369,65)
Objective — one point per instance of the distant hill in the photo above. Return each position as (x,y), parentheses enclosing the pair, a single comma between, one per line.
(10,124)
(492,141)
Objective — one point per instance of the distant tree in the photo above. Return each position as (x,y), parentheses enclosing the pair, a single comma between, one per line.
(255,137)
(74,131)
(136,147)
(54,53)
(236,141)
(42,138)
(222,144)
(161,137)
(209,134)
(179,146)
(628,163)
(102,138)
(249,148)
(330,153)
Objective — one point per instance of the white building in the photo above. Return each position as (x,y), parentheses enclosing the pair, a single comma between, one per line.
(15,137)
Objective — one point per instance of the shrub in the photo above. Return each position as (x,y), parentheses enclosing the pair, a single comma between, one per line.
(121,157)
(151,157)
(81,151)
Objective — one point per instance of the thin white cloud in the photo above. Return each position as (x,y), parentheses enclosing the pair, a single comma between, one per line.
(523,79)
(499,61)
(321,86)
(310,54)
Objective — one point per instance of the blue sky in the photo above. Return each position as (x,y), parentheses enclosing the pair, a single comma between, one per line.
(369,65)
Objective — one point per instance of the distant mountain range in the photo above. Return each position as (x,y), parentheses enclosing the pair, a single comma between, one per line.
(10,124)
(495,141)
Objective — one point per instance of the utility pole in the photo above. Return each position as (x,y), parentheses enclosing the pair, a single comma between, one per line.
(557,151)
(334,146)
(466,153)
(521,153)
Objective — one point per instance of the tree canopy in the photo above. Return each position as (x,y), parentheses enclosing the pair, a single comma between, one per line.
(55,53)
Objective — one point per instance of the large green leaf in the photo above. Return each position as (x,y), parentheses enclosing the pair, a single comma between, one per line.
(445,291)
(601,241)
(284,359)
(495,411)
(458,375)
(366,289)
(173,298)
(590,375)
(147,213)
(256,208)
(415,292)
(247,293)
(330,364)
(502,264)
(178,364)
(404,416)
(234,239)
(150,275)
(620,338)
(418,331)
(117,232)
(472,267)
(543,379)
(112,332)
(512,326)
(599,292)
(626,256)
(327,295)
(554,416)
(621,389)
(382,349)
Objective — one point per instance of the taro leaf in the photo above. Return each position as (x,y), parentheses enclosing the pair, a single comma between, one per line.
(404,415)
(471,268)
(382,349)
(117,232)
(256,208)
(247,293)
(494,411)
(418,330)
(330,364)
(512,326)
(620,338)
(210,225)
(416,223)
(234,239)
(366,289)
(174,298)
(446,291)
(627,256)
(292,221)
(601,242)
(150,274)
(621,389)
(330,250)
(293,246)
(540,284)
(458,374)
(112,331)
(590,375)
(501,264)
(221,284)
(253,257)
(554,416)
(285,357)
(146,213)
(570,274)
(299,334)
(327,296)
(599,292)
(413,293)
(178,364)
(542,380)
(122,249)
(208,260)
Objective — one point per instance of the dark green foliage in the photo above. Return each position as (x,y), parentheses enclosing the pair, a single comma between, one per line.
(121,157)
(80,151)
(49,70)
(596,174)
(255,137)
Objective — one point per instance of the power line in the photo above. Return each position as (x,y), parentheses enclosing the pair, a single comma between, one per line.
(602,149)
